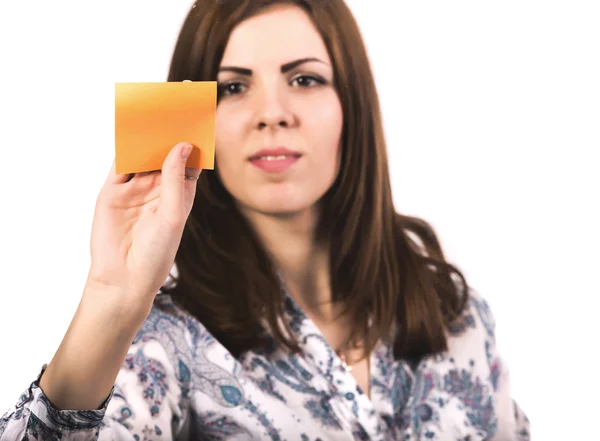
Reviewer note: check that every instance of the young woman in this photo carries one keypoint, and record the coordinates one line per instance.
(301, 305)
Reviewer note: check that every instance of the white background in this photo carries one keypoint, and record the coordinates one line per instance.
(492, 113)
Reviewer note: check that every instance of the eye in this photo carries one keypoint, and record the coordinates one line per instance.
(231, 88)
(307, 81)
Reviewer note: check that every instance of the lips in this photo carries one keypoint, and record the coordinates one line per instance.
(274, 154)
(276, 160)
(273, 158)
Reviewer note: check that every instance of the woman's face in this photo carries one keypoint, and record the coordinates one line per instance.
(279, 119)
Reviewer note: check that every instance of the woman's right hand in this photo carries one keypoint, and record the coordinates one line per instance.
(136, 231)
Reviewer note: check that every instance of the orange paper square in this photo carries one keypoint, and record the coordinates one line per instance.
(150, 118)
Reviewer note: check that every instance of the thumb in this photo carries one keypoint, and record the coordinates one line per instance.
(178, 184)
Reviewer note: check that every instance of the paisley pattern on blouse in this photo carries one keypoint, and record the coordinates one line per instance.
(179, 383)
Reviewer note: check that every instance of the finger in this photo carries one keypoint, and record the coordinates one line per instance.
(144, 181)
(192, 173)
(114, 178)
(174, 184)
(143, 177)
(146, 173)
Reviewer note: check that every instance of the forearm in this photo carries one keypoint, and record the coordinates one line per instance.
(85, 366)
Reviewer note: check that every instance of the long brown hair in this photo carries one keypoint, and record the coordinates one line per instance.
(384, 265)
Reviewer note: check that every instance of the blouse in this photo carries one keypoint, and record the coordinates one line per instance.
(179, 383)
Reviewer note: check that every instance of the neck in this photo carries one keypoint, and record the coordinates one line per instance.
(302, 262)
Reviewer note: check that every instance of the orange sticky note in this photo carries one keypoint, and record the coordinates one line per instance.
(150, 118)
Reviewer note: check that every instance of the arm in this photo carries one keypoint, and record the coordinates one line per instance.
(136, 231)
(513, 423)
(146, 399)
(85, 366)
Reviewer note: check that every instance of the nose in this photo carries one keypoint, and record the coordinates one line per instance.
(273, 110)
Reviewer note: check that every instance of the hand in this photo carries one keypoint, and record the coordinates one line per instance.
(137, 229)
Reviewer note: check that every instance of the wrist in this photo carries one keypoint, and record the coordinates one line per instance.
(115, 305)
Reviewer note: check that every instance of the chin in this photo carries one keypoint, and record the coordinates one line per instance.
(280, 200)
(278, 205)
(282, 209)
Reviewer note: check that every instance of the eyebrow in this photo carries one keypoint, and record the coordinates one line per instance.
(284, 68)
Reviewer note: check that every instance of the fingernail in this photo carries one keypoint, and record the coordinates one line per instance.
(185, 152)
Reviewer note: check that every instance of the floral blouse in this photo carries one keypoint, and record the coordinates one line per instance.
(179, 383)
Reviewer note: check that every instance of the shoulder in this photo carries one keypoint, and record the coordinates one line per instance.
(471, 337)
(174, 327)
(472, 345)
(171, 336)
(168, 321)
(477, 317)
(198, 361)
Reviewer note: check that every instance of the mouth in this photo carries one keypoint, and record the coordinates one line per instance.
(273, 158)
(276, 160)
(275, 154)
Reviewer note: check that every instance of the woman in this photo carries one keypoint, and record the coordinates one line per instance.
(302, 307)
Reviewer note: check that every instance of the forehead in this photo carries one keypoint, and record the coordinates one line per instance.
(277, 35)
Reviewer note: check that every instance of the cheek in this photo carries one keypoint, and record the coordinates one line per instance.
(228, 138)
(326, 125)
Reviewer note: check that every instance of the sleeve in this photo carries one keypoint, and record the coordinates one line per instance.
(147, 401)
(512, 422)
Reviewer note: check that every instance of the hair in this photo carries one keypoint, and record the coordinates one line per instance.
(381, 262)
